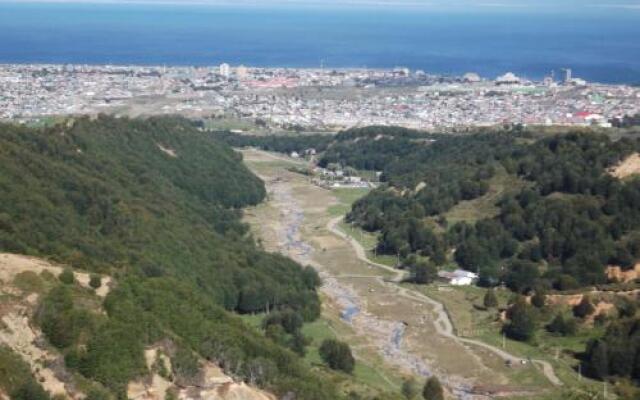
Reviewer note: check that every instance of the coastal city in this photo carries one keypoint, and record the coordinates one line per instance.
(311, 99)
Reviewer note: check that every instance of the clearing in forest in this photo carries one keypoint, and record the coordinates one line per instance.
(629, 166)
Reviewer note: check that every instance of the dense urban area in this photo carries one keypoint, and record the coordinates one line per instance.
(312, 99)
(317, 234)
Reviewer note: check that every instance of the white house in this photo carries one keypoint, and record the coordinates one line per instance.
(458, 277)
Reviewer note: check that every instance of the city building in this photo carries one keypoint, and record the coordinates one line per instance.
(224, 70)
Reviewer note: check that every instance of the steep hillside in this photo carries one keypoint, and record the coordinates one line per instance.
(154, 204)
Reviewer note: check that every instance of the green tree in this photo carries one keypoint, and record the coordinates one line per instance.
(598, 360)
(337, 355)
(31, 390)
(410, 388)
(97, 394)
(433, 389)
(424, 272)
(95, 281)
(562, 325)
(490, 299)
(539, 298)
(522, 321)
(584, 308)
(185, 365)
(67, 277)
(626, 307)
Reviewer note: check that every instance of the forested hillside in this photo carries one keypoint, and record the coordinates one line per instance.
(282, 144)
(568, 221)
(155, 204)
(563, 221)
(539, 213)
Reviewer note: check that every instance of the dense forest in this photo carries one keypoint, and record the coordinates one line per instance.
(569, 219)
(281, 144)
(155, 204)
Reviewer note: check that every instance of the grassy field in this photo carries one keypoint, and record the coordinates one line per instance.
(470, 319)
(345, 197)
(326, 327)
(369, 241)
(364, 373)
(485, 206)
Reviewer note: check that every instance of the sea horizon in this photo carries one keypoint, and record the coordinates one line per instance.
(598, 46)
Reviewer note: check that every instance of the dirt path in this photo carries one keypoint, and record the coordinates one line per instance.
(411, 333)
(443, 323)
(361, 253)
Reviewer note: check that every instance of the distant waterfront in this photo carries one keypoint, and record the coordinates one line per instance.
(599, 46)
(312, 99)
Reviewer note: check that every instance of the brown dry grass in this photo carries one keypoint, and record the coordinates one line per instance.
(629, 166)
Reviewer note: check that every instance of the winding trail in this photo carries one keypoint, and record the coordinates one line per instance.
(443, 323)
(391, 319)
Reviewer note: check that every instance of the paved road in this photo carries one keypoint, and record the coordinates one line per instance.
(443, 323)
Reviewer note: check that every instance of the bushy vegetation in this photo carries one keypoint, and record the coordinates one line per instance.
(572, 217)
(16, 379)
(433, 389)
(281, 143)
(566, 222)
(522, 322)
(372, 148)
(155, 203)
(617, 353)
(337, 355)
(490, 299)
(562, 325)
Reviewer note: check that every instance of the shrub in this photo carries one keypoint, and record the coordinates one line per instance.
(584, 308)
(539, 299)
(563, 325)
(522, 324)
(410, 389)
(97, 394)
(95, 281)
(337, 355)
(185, 365)
(424, 272)
(490, 299)
(67, 277)
(433, 389)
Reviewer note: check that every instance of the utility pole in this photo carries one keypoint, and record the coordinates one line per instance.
(504, 340)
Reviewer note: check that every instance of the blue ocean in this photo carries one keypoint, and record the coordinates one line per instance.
(598, 45)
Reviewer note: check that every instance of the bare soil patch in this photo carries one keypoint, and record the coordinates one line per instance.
(629, 166)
